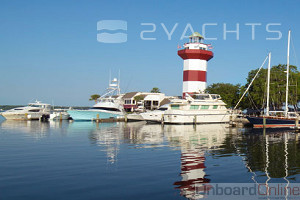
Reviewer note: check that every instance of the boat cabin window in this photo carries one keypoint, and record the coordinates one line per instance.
(215, 107)
(105, 108)
(204, 107)
(216, 96)
(175, 107)
(106, 100)
(18, 109)
(201, 97)
(194, 107)
(34, 110)
(36, 106)
(292, 115)
(163, 108)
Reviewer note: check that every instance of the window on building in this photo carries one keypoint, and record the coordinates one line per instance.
(194, 107)
(133, 101)
(175, 107)
(215, 107)
(155, 103)
(204, 107)
(127, 102)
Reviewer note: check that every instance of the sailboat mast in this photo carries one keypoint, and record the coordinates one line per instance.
(268, 86)
(287, 75)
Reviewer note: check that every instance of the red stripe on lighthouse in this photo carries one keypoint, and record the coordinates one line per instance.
(195, 54)
(193, 75)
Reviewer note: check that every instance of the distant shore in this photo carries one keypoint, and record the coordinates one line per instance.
(7, 107)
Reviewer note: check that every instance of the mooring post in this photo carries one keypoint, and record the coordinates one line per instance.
(297, 123)
(60, 117)
(162, 119)
(195, 119)
(230, 120)
(125, 118)
(97, 120)
(264, 122)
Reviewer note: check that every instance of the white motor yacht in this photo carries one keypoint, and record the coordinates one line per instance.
(108, 105)
(33, 111)
(199, 109)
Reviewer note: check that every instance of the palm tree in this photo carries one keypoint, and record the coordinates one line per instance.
(94, 97)
(139, 98)
(155, 90)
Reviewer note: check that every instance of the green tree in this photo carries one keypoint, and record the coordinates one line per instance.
(139, 98)
(94, 97)
(155, 90)
(257, 92)
(230, 93)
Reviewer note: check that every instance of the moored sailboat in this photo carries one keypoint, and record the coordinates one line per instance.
(271, 119)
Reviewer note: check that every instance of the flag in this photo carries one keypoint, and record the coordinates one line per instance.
(209, 45)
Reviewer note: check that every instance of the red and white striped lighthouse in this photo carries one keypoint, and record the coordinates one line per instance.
(195, 55)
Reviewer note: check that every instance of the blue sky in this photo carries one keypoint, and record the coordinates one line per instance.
(49, 49)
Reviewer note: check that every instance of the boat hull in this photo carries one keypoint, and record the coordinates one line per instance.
(257, 122)
(153, 116)
(134, 117)
(59, 116)
(22, 116)
(88, 115)
(196, 119)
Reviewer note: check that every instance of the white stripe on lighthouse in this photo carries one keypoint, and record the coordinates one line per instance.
(194, 64)
(193, 86)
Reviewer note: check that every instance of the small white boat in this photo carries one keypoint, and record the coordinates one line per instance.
(155, 116)
(59, 114)
(135, 117)
(33, 111)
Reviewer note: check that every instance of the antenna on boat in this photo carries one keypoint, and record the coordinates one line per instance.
(268, 85)
(109, 77)
(287, 75)
(119, 80)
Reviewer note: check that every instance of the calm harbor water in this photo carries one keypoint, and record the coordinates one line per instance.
(85, 160)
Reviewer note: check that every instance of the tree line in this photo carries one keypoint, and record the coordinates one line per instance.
(256, 96)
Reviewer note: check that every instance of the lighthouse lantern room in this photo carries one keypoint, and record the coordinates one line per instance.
(195, 55)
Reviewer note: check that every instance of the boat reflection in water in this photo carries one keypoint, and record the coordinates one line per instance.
(107, 135)
(34, 129)
(144, 135)
(270, 155)
(194, 142)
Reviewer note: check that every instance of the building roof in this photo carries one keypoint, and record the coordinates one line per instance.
(165, 101)
(152, 97)
(196, 34)
(129, 95)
